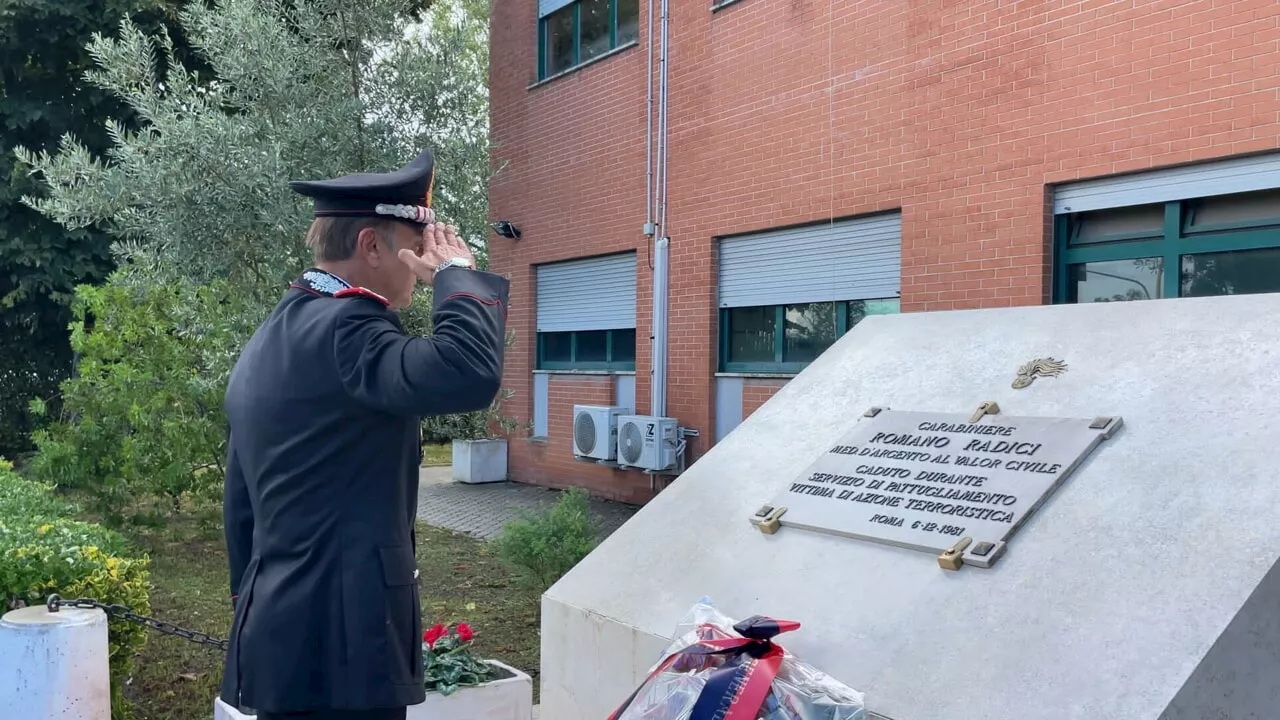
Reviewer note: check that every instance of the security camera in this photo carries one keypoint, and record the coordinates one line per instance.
(506, 229)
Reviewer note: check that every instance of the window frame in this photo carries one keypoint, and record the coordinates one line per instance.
(1178, 238)
(779, 366)
(609, 364)
(578, 62)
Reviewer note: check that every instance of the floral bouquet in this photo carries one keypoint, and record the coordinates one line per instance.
(447, 663)
(716, 668)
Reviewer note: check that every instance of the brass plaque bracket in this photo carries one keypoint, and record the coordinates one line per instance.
(953, 557)
(770, 520)
(987, 408)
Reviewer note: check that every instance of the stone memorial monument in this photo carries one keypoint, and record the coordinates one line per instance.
(1031, 513)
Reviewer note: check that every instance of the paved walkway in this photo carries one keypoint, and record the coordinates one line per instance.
(483, 510)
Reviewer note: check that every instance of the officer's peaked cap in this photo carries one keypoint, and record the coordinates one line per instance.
(403, 193)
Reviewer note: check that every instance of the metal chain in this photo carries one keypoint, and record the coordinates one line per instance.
(124, 613)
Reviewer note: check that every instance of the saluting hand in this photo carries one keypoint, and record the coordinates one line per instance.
(440, 244)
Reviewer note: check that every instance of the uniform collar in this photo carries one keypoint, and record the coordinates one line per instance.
(322, 282)
(325, 283)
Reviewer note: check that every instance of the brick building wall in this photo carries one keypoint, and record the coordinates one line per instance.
(958, 113)
(757, 392)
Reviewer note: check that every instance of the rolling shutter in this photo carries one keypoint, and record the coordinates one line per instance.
(1223, 177)
(546, 7)
(859, 259)
(593, 294)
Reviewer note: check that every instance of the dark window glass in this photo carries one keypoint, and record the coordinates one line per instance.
(628, 21)
(624, 346)
(1141, 221)
(809, 330)
(859, 309)
(559, 40)
(595, 24)
(1116, 280)
(1255, 208)
(751, 334)
(593, 346)
(1240, 272)
(557, 347)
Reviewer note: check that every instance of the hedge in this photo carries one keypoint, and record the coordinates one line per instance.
(43, 550)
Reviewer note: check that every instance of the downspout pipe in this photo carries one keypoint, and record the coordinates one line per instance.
(661, 245)
(648, 135)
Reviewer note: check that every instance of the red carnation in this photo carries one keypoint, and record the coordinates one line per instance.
(431, 636)
(464, 632)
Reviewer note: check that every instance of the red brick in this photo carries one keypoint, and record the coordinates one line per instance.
(958, 113)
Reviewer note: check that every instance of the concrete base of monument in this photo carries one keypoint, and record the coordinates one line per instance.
(509, 698)
(1143, 587)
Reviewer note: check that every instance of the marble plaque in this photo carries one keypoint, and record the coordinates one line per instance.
(924, 481)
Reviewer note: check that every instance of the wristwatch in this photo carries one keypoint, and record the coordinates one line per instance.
(454, 262)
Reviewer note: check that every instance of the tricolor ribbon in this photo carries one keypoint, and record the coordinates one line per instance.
(737, 689)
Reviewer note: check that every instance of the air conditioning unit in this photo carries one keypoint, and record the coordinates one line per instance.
(647, 442)
(595, 430)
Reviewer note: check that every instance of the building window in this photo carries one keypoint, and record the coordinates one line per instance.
(1221, 245)
(583, 30)
(586, 313)
(786, 338)
(587, 350)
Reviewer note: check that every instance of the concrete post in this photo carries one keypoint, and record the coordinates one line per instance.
(53, 666)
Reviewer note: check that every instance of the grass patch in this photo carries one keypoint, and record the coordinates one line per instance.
(175, 679)
(463, 580)
(434, 454)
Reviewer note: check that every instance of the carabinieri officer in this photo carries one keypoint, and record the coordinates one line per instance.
(324, 406)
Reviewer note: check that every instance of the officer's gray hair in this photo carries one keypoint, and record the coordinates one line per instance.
(333, 239)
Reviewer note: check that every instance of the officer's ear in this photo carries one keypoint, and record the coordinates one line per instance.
(370, 247)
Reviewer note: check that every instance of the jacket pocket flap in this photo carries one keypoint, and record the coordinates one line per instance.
(399, 567)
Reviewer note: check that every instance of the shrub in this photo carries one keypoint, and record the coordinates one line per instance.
(43, 551)
(485, 424)
(544, 546)
(143, 419)
(489, 423)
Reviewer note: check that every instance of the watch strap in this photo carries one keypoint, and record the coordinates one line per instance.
(454, 262)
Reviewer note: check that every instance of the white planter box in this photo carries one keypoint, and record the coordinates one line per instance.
(223, 711)
(479, 461)
(507, 699)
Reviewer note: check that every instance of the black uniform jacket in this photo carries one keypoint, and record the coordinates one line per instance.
(322, 485)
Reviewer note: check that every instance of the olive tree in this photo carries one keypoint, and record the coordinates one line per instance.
(196, 196)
